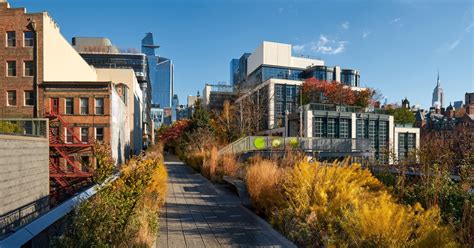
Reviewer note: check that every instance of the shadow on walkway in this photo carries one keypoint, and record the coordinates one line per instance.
(197, 214)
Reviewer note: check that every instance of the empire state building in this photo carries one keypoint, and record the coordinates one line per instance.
(438, 96)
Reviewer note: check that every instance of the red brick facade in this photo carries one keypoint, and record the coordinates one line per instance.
(16, 20)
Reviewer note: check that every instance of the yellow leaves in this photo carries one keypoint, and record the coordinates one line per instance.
(340, 204)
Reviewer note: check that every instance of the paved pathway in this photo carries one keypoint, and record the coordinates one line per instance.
(199, 214)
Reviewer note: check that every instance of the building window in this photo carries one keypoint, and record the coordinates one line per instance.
(279, 92)
(28, 68)
(372, 133)
(99, 133)
(11, 68)
(69, 137)
(28, 38)
(402, 151)
(332, 130)
(84, 134)
(11, 39)
(29, 99)
(99, 106)
(361, 129)
(85, 163)
(344, 128)
(318, 127)
(279, 108)
(383, 137)
(84, 106)
(69, 110)
(11, 98)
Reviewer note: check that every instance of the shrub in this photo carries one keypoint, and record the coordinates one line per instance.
(230, 166)
(125, 212)
(209, 166)
(345, 205)
(263, 180)
(105, 162)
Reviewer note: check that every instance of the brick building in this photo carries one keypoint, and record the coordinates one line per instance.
(42, 75)
(32, 50)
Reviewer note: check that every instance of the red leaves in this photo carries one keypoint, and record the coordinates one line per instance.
(334, 93)
(175, 131)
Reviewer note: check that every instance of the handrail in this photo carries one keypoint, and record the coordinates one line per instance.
(28, 232)
(271, 143)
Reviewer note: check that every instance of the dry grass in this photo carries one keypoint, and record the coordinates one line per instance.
(263, 180)
(230, 166)
(209, 166)
(343, 204)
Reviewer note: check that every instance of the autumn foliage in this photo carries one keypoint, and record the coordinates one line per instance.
(317, 91)
(340, 205)
(175, 131)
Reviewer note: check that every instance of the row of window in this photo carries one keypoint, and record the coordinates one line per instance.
(84, 106)
(406, 144)
(28, 68)
(331, 128)
(84, 134)
(13, 101)
(28, 39)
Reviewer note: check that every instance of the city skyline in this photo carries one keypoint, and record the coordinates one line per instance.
(387, 43)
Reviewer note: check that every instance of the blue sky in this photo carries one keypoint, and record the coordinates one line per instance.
(397, 46)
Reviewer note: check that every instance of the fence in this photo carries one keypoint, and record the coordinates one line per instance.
(266, 143)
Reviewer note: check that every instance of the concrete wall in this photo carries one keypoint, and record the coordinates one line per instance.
(24, 171)
(398, 130)
(119, 131)
(134, 102)
(277, 54)
(61, 61)
(299, 62)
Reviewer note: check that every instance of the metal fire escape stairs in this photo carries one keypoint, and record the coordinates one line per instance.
(59, 148)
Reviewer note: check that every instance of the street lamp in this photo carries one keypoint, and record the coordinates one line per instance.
(287, 129)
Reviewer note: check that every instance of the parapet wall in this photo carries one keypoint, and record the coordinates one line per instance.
(24, 178)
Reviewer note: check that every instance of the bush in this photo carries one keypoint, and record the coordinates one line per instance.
(230, 166)
(209, 166)
(125, 212)
(339, 204)
(263, 179)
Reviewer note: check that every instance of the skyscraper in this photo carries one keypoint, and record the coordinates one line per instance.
(161, 73)
(438, 95)
(164, 89)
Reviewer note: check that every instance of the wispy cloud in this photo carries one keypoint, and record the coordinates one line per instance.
(454, 44)
(365, 34)
(323, 45)
(467, 30)
(395, 20)
(345, 25)
(299, 48)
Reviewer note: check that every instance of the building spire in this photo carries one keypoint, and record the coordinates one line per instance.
(438, 83)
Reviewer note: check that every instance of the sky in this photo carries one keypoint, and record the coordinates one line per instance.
(398, 46)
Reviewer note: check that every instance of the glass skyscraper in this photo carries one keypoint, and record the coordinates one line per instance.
(161, 73)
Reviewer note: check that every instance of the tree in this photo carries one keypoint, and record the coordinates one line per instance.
(402, 116)
(318, 91)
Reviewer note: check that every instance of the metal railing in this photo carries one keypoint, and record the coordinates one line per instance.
(267, 143)
(343, 108)
(35, 127)
(21, 216)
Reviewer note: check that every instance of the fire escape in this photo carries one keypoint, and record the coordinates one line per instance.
(68, 176)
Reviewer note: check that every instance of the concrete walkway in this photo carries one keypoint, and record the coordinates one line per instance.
(200, 214)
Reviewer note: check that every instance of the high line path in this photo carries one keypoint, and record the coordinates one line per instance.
(198, 213)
